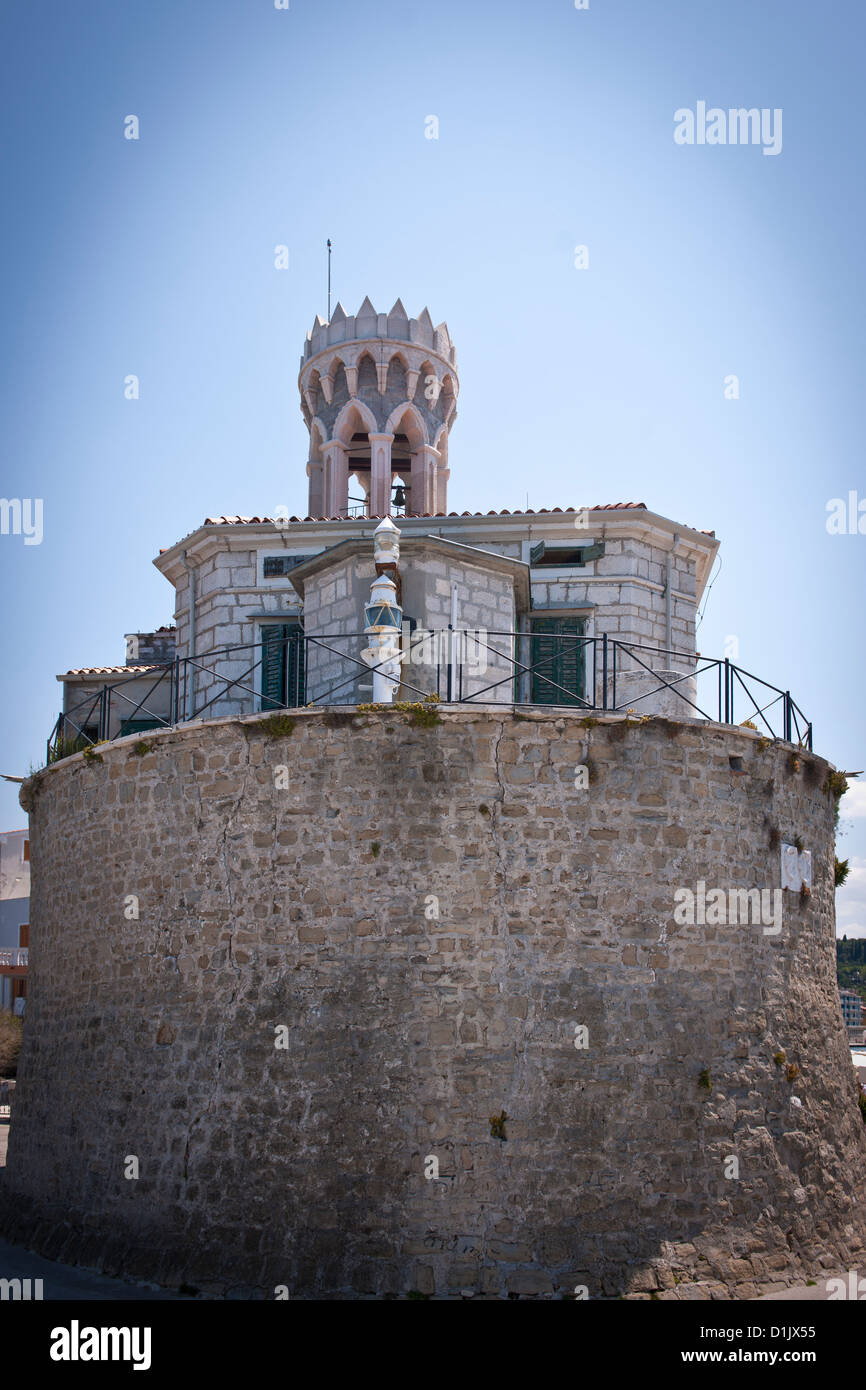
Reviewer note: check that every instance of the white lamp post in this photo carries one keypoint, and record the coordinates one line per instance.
(384, 617)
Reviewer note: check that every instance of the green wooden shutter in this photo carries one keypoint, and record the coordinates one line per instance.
(558, 679)
(295, 671)
(282, 665)
(139, 726)
(592, 552)
(273, 665)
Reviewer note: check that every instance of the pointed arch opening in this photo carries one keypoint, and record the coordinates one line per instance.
(359, 494)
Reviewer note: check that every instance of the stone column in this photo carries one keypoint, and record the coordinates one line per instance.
(335, 481)
(315, 502)
(422, 493)
(440, 489)
(380, 474)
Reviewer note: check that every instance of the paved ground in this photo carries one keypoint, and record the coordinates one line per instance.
(805, 1292)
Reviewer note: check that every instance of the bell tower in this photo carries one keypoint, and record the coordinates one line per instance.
(379, 397)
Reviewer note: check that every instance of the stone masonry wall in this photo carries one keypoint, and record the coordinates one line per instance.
(425, 915)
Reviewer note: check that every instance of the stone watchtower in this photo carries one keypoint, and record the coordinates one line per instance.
(415, 997)
(379, 396)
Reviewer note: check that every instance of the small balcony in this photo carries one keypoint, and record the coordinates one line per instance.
(13, 961)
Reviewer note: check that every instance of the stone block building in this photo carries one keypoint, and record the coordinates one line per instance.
(379, 396)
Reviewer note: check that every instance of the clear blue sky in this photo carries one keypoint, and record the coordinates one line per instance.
(260, 127)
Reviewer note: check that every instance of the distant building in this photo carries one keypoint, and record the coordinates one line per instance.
(14, 917)
(852, 1008)
(101, 702)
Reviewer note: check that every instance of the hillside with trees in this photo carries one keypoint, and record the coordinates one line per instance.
(851, 965)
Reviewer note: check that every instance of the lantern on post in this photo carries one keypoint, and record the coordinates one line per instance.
(384, 616)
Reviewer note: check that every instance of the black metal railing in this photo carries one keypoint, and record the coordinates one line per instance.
(462, 666)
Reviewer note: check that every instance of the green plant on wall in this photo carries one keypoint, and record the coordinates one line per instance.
(497, 1126)
(278, 726)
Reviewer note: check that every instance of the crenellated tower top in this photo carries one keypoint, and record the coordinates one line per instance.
(379, 397)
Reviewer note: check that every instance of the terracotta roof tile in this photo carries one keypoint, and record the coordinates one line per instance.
(530, 511)
(425, 516)
(108, 670)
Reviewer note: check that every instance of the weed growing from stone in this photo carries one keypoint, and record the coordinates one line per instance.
(423, 712)
(278, 726)
(497, 1126)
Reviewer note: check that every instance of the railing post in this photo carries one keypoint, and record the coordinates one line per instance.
(450, 665)
(614, 645)
(727, 691)
(604, 670)
(786, 733)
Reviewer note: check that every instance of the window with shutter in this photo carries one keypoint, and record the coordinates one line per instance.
(283, 676)
(274, 566)
(564, 556)
(139, 726)
(558, 661)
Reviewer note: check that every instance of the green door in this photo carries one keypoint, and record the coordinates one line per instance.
(282, 665)
(557, 659)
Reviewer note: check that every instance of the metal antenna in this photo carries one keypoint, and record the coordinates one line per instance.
(329, 279)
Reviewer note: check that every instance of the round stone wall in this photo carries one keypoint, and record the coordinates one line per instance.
(354, 1004)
